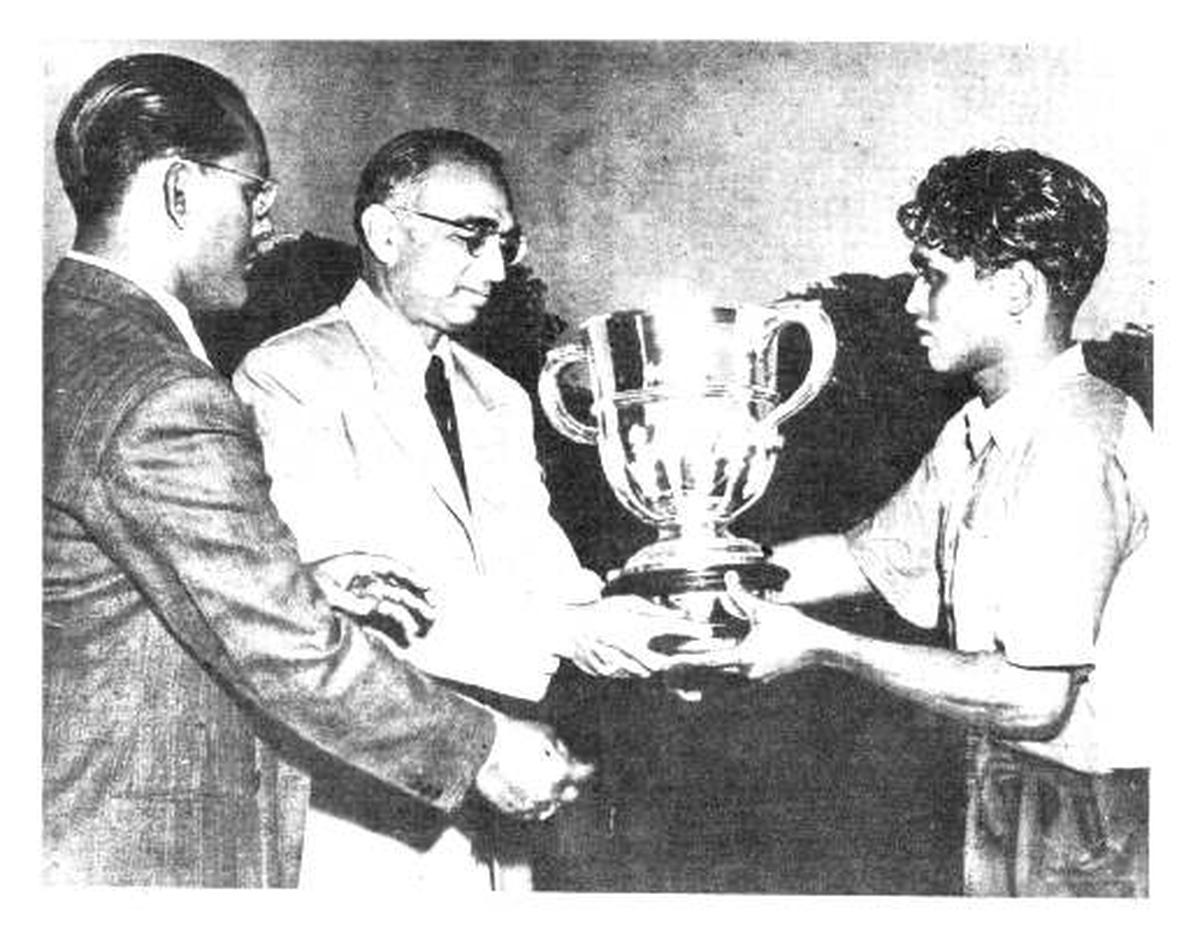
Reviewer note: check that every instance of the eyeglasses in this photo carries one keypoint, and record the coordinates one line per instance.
(512, 243)
(263, 196)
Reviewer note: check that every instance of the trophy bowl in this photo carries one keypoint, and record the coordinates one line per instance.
(686, 410)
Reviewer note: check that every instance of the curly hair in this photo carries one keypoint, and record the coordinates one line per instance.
(1001, 206)
(137, 108)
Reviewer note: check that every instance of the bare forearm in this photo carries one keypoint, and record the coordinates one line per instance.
(821, 567)
(980, 689)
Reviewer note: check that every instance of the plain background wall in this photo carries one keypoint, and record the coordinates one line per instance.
(740, 169)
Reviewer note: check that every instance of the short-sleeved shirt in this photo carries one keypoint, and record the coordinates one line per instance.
(1013, 528)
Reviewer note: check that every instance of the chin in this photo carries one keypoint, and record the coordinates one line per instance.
(232, 298)
(939, 361)
(213, 290)
(463, 318)
(236, 298)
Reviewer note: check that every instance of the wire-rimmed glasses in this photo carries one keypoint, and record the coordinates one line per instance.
(266, 189)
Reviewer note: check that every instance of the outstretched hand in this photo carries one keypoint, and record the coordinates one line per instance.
(781, 639)
(377, 589)
(613, 637)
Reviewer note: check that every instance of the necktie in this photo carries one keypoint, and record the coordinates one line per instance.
(441, 404)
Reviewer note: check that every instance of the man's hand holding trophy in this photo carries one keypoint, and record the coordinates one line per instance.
(686, 410)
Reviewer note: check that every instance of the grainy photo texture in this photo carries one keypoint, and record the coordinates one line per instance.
(624, 467)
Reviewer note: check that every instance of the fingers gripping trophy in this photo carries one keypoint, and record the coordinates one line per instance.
(686, 410)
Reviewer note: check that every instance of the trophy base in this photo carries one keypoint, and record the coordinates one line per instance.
(699, 594)
(759, 576)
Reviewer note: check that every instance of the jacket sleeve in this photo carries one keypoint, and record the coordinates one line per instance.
(180, 498)
(325, 482)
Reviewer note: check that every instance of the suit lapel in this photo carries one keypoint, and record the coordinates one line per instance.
(397, 399)
(482, 435)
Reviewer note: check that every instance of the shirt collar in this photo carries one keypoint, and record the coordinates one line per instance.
(1005, 420)
(173, 307)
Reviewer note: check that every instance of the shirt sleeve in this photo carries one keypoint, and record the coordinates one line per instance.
(896, 547)
(1127, 705)
(493, 637)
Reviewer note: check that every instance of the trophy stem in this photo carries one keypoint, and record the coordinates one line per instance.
(695, 544)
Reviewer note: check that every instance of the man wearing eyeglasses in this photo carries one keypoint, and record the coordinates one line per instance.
(384, 435)
(187, 651)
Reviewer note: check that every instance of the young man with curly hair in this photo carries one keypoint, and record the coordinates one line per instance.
(1021, 539)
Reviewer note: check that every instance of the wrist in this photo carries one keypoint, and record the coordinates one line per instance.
(493, 738)
(840, 649)
(831, 646)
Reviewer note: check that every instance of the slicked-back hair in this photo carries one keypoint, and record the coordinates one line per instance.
(408, 156)
(138, 108)
(997, 207)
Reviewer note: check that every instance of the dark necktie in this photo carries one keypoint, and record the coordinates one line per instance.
(441, 404)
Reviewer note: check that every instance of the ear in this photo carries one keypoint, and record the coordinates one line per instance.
(175, 187)
(382, 233)
(1022, 285)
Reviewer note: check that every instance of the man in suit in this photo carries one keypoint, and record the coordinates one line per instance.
(1023, 537)
(350, 409)
(187, 652)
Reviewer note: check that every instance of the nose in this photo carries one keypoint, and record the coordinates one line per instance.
(262, 227)
(490, 262)
(917, 302)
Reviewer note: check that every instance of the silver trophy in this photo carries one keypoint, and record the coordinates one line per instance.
(686, 410)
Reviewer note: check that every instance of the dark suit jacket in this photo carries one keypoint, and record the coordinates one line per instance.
(184, 648)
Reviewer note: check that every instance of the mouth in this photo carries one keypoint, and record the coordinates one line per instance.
(927, 340)
(473, 295)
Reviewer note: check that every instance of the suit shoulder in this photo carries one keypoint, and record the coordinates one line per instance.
(98, 364)
(114, 401)
(325, 341)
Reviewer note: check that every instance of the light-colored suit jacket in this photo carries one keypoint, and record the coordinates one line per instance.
(357, 464)
(185, 648)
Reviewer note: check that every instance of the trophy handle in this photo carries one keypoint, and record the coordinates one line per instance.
(823, 340)
(550, 394)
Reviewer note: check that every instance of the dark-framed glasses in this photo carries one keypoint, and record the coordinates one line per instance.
(265, 190)
(474, 233)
